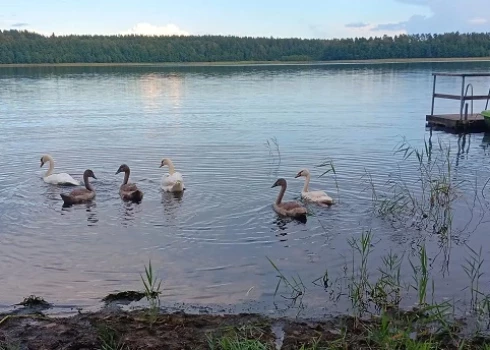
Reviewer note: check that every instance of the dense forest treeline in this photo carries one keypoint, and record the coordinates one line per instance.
(27, 47)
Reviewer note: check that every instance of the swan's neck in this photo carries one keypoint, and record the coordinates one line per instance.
(126, 177)
(51, 167)
(171, 168)
(88, 185)
(281, 194)
(307, 182)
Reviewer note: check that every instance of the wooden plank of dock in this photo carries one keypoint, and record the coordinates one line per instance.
(475, 122)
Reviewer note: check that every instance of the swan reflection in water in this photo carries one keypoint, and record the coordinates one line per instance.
(282, 225)
(91, 214)
(90, 210)
(171, 201)
(127, 213)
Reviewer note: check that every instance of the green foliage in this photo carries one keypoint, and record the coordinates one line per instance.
(109, 339)
(245, 337)
(152, 293)
(239, 344)
(8, 345)
(26, 47)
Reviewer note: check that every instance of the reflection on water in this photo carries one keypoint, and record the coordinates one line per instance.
(485, 142)
(157, 90)
(231, 132)
(127, 213)
(90, 209)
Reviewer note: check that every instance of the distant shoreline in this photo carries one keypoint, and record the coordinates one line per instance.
(252, 63)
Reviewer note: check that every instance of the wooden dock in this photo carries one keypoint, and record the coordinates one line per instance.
(474, 122)
(466, 119)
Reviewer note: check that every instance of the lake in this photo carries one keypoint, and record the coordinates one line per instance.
(231, 131)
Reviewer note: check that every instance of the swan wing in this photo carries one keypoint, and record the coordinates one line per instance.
(317, 196)
(291, 206)
(61, 179)
(174, 182)
(82, 192)
(293, 209)
(129, 188)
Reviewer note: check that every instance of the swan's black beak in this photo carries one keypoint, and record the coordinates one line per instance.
(117, 172)
(94, 177)
(160, 165)
(41, 164)
(297, 175)
(273, 185)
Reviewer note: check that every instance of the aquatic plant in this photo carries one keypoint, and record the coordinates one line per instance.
(152, 292)
(386, 292)
(420, 276)
(359, 288)
(295, 285)
(274, 153)
(472, 268)
(425, 201)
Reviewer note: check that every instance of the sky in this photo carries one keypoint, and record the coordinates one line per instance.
(277, 18)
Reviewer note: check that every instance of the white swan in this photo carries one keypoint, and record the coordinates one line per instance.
(319, 197)
(173, 181)
(56, 179)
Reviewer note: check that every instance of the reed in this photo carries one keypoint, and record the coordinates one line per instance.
(425, 201)
(420, 275)
(152, 293)
(360, 286)
(294, 285)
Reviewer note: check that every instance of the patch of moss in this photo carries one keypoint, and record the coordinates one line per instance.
(129, 295)
(34, 301)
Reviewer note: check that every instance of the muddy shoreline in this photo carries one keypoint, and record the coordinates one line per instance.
(113, 328)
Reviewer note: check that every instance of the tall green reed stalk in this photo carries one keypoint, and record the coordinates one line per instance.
(152, 293)
(295, 285)
(472, 268)
(423, 199)
(360, 286)
(421, 275)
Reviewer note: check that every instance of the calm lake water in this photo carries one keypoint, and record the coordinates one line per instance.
(210, 247)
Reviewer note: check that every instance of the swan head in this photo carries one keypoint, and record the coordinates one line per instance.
(44, 159)
(165, 161)
(122, 169)
(279, 182)
(89, 173)
(304, 172)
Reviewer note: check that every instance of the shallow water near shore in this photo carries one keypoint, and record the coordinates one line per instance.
(231, 132)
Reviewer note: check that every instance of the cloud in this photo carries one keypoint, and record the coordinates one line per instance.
(415, 2)
(372, 30)
(150, 29)
(19, 25)
(446, 16)
(478, 20)
(390, 26)
(356, 25)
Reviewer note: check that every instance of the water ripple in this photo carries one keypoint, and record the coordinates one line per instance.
(211, 242)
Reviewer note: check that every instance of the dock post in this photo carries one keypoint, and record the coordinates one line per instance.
(461, 99)
(433, 95)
